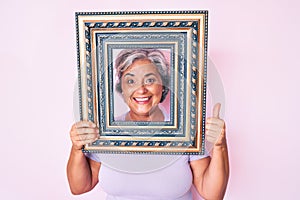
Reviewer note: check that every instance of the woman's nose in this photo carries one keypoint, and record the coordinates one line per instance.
(142, 89)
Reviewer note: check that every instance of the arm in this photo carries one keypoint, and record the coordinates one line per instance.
(82, 172)
(210, 176)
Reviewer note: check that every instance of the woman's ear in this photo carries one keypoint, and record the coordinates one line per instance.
(119, 88)
(165, 91)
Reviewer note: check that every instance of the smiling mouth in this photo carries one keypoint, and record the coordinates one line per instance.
(142, 100)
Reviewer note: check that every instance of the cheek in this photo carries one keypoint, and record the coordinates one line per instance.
(156, 90)
(127, 91)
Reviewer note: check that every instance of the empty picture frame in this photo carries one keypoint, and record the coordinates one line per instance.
(107, 40)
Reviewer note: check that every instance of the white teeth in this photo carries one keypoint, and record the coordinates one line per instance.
(142, 98)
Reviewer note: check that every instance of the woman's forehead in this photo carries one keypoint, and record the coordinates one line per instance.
(140, 67)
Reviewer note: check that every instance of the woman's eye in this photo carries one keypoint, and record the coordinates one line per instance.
(149, 81)
(130, 81)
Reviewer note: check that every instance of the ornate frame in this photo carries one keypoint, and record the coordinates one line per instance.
(184, 34)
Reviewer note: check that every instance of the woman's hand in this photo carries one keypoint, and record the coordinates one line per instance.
(211, 183)
(83, 132)
(82, 172)
(215, 128)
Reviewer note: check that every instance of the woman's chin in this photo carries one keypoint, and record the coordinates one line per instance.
(145, 115)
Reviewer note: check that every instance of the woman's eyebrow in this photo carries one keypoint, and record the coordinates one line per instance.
(129, 74)
(149, 74)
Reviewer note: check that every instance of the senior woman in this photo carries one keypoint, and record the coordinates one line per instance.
(206, 174)
(143, 81)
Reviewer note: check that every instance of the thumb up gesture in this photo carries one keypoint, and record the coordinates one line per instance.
(215, 128)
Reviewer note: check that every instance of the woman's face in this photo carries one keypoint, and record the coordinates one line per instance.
(142, 87)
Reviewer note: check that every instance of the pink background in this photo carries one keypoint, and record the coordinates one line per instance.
(253, 44)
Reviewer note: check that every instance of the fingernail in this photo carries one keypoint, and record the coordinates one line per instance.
(93, 125)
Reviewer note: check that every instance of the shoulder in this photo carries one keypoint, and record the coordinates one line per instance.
(199, 157)
(165, 113)
(121, 117)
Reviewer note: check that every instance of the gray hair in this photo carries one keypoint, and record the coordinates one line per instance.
(127, 56)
